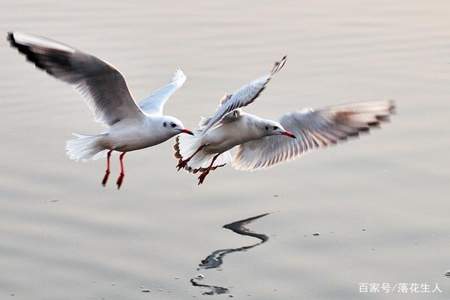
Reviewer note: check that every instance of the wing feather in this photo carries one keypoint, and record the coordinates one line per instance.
(103, 87)
(154, 104)
(314, 129)
(243, 96)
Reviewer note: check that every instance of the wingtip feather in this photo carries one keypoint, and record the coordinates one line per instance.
(179, 76)
(279, 65)
(10, 38)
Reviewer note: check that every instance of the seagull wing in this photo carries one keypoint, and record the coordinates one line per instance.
(313, 129)
(154, 104)
(103, 87)
(243, 96)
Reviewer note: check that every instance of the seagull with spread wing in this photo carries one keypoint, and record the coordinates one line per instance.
(131, 126)
(262, 143)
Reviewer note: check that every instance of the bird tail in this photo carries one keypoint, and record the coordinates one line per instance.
(85, 147)
(186, 145)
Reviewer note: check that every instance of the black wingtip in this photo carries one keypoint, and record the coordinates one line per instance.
(282, 62)
(26, 50)
(11, 40)
(279, 65)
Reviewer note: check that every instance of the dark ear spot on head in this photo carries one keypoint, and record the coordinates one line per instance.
(267, 127)
(164, 124)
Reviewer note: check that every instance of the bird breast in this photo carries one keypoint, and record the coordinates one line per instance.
(129, 137)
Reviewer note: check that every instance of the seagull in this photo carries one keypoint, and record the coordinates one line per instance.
(130, 126)
(262, 143)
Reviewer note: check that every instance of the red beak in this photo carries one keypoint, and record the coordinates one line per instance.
(289, 134)
(187, 131)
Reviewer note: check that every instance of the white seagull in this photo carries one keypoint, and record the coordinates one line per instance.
(262, 143)
(131, 126)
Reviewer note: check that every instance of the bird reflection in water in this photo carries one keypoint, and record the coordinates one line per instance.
(215, 259)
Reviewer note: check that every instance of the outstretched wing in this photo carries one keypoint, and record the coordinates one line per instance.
(154, 104)
(243, 96)
(103, 87)
(313, 129)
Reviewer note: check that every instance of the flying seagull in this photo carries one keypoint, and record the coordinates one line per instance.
(262, 143)
(130, 126)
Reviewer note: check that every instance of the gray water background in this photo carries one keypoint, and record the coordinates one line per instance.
(63, 236)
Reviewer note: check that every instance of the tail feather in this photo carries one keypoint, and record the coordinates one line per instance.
(186, 145)
(85, 147)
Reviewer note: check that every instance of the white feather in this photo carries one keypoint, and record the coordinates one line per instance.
(154, 104)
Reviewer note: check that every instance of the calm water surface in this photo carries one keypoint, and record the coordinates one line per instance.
(380, 204)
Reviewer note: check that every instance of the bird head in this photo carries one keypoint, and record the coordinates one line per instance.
(275, 128)
(174, 126)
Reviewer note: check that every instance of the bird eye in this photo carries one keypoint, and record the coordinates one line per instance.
(164, 124)
(267, 127)
(173, 125)
(275, 127)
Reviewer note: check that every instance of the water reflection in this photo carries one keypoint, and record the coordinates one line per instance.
(212, 289)
(215, 259)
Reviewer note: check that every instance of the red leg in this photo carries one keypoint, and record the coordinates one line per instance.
(182, 163)
(122, 171)
(202, 176)
(108, 160)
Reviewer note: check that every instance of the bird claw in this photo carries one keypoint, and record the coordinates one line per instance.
(120, 180)
(202, 177)
(105, 178)
(182, 164)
